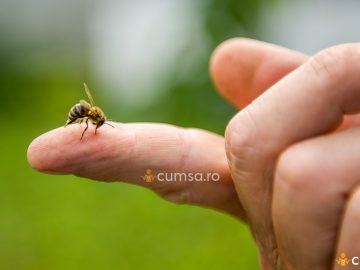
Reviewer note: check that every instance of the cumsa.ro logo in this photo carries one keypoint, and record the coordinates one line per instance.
(148, 177)
(180, 176)
(343, 260)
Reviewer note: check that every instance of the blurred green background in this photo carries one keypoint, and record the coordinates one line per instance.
(47, 49)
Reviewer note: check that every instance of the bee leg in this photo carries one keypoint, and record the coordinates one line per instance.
(87, 126)
(109, 125)
(97, 126)
(68, 122)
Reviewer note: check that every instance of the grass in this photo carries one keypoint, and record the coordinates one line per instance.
(63, 222)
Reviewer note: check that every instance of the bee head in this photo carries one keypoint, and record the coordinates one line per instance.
(101, 122)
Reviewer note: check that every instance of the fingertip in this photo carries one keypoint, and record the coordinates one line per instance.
(232, 67)
(44, 158)
(60, 151)
(242, 69)
(221, 50)
(32, 154)
(228, 46)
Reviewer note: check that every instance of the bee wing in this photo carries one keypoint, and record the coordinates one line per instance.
(88, 93)
(85, 103)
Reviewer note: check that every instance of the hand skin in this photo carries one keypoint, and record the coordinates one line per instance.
(288, 162)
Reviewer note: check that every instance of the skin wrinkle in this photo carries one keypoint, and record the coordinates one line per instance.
(245, 143)
(104, 153)
(138, 150)
(185, 195)
(350, 215)
(331, 65)
(116, 154)
(121, 157)
(238, 165)
(185, 149)
(132, 141)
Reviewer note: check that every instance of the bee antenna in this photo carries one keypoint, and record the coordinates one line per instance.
(109, 125)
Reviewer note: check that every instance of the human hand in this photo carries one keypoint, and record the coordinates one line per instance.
(242, 70)
(124, 153)
(294, 156)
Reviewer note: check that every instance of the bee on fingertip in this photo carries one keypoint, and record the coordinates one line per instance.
(85, 111)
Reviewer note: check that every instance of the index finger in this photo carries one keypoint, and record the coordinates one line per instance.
(125, 152)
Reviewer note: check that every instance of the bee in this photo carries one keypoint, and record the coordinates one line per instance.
(85, 111)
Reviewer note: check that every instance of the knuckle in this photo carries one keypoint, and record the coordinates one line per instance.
(333, 63)
(242, 136)
(297, 170)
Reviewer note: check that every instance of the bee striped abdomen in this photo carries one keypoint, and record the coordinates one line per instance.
(79, 110)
